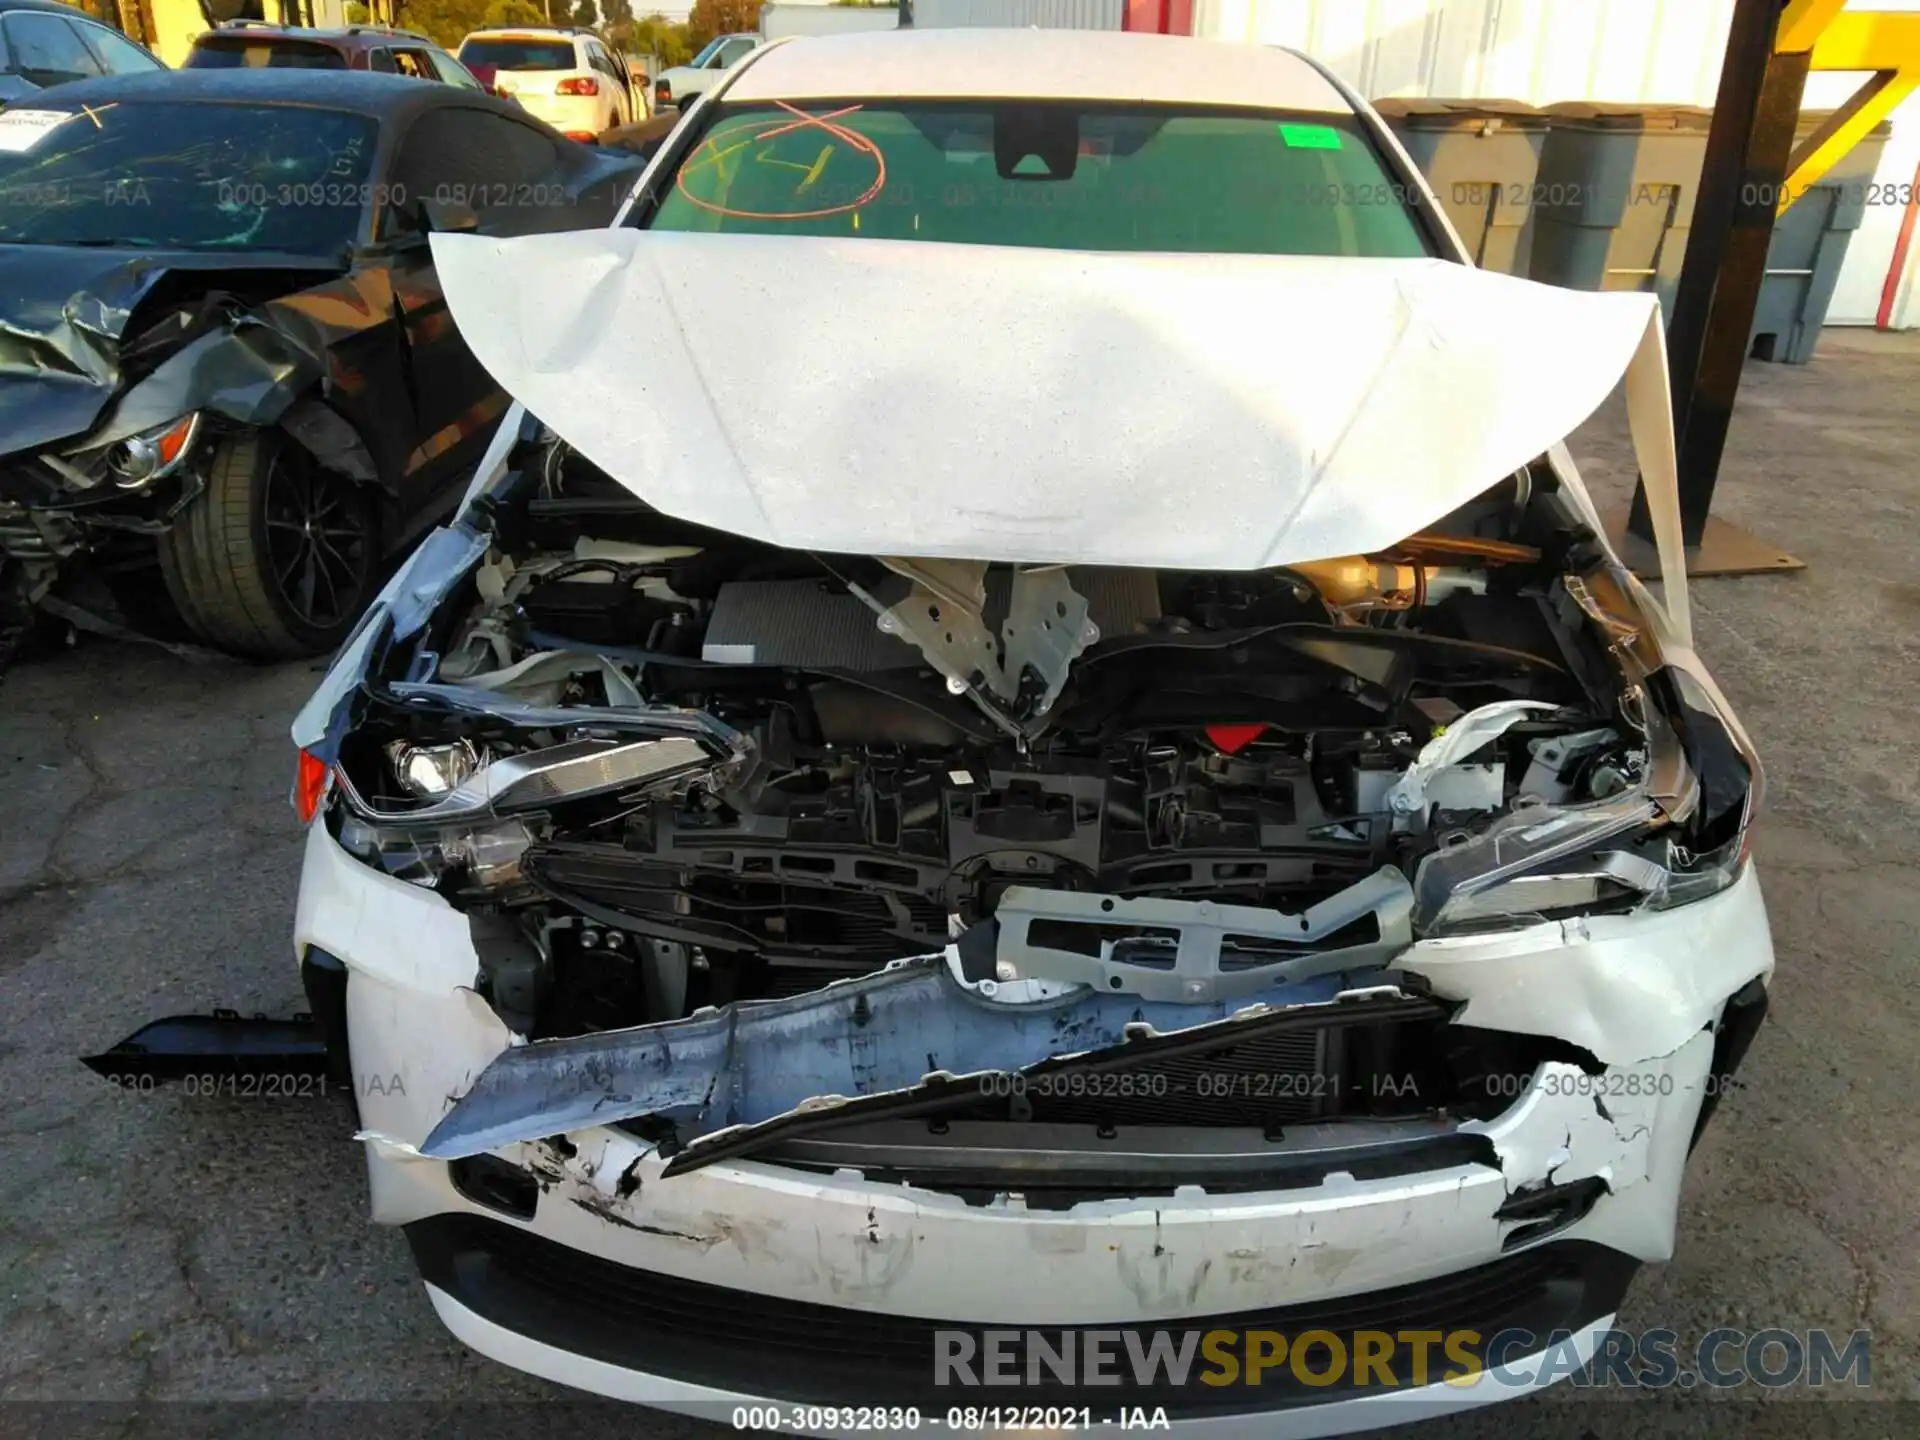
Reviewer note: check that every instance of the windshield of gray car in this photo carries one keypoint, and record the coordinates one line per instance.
(183, 175)
(1059, 174)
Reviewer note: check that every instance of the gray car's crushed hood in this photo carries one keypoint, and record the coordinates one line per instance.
(64, 318)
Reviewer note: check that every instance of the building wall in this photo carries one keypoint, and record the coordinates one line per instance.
(820, 18)
(1024, 14)
(1540, 51)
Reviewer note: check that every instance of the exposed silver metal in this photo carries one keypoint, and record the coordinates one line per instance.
(1408, 796)
(1194, 951)
(946, 626)
(1046, 629)
(1551, 758)
(943, 616)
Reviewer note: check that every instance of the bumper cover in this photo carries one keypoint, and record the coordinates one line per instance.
(1645, 994)
(690, 1334)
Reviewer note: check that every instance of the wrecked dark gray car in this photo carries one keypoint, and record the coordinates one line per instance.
(224, 351)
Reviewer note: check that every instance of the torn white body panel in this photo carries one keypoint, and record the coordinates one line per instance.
(1335, 405)
(1641, 997)
(840, 1240)
(1599, 991)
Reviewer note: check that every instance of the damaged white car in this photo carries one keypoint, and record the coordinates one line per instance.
(1028, 727)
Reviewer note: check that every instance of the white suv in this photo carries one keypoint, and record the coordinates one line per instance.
(565, 77)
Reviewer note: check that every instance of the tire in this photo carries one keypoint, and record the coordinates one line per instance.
(278, 558)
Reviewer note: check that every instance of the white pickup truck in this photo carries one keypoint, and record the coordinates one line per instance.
(683, 84)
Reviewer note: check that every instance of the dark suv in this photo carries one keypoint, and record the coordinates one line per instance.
(44, 44)
(251, 44)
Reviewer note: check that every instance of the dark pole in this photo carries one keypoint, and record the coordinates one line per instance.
(1749, 145)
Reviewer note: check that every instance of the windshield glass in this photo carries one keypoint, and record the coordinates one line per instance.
(1063, 175)
(508, 54)
(222, 53)
(706, 52)
(177, 175)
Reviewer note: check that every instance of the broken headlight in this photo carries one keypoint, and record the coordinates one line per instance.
(485, 858)
(1514, 866)
(457, 820)
(1680, 833)
(429, 771)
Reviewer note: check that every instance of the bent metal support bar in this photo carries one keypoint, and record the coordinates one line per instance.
(1748, 150)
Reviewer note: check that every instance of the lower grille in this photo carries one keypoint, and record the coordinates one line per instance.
(770, 917)
(794, 1351)
(1278, 1080)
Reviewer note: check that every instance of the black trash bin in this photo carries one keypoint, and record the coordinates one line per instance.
(1481, 157)
(1809, 241)
(1615, 193)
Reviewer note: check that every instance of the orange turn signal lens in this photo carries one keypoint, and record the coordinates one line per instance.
(175, 440)
(309, 784)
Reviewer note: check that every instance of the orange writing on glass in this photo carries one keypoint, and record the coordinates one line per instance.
(724, 160)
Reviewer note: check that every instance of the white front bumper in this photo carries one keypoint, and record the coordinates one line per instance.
(1640, 992)
(1338, 1417)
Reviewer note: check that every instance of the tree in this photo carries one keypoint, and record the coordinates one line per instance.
(657, 35)
(448, 22)
(358, 14)
(709, 18)
(503, 13)
(616, 21)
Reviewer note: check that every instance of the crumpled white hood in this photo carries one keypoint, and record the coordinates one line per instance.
(987, 403)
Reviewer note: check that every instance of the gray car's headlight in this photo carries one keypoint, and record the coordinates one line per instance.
(139, 460)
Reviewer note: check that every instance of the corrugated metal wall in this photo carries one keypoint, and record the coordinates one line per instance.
(1533, 50)
(1540, 51)
(1024, 14)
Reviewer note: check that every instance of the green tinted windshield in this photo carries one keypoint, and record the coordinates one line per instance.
(1062, 175)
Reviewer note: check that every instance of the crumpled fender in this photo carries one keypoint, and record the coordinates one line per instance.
(250, 373)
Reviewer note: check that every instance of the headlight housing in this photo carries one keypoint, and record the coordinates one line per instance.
(474, 813)
(1681, 832)
(139, 460)
(430, 771)
(486, 858)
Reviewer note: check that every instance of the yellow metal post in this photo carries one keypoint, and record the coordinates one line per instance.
(1885, 43)
(1801, 23)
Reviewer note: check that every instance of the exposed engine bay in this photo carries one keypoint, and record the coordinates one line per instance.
(1184, 787)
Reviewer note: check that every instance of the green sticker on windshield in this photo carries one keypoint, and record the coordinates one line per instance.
(1310, 137)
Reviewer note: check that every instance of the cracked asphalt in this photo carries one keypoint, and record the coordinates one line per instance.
(163, 1248)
